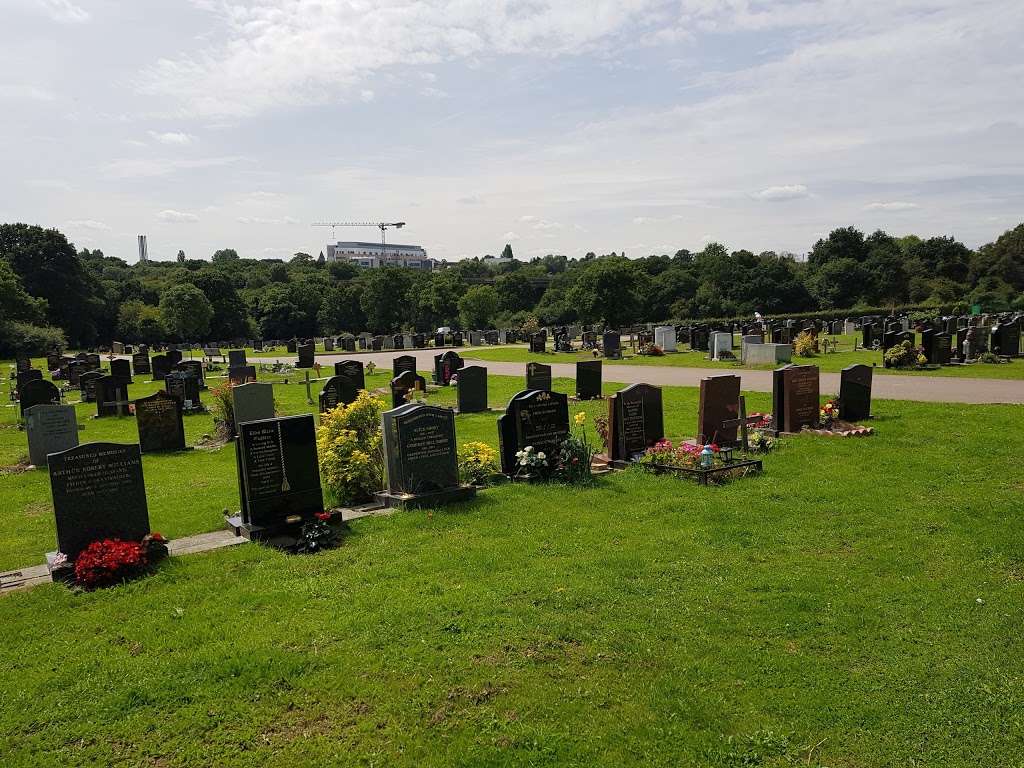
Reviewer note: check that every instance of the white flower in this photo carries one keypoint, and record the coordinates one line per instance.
(541, 456)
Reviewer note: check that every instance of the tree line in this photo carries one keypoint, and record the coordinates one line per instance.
(53, 295)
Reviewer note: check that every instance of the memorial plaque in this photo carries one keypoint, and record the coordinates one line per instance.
(795, 397)
(307, 354)
(243, 374)
(353, 371)
(403, 363)
(588, 379)
(50, 429)
(855, 392)
(252, 402)
(278, 470)
(98, 493)
(419, 444)
(111, 397)
(635, 421)
(719, 401)
(121, 369)
(160, 424)
(140, 363)
(538, 376)
(38, 392)
(338, 390)
(535, 418)
(403, 384)
(446, 364)
(161, 366)
(472, 394)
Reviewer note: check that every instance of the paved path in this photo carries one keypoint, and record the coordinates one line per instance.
(941, 389)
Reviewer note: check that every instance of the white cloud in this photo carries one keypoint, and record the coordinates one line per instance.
(788, 192)
(263, 220)
(23, 92)
(367, 95)
(64, 186)
(175, 138)
(894, 206)
(97, 226)
(64, 11)
(510, 236)
(146, 168)
(177, 217)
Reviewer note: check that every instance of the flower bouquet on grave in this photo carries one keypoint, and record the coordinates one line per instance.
(113, 561)
(575, 454)
(317, 535)
(531, 463)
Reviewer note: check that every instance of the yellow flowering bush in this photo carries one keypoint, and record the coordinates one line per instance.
(478, 462)
(351, 449)
(803, 345)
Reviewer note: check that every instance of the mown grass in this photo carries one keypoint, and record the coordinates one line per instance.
(860, 604)
(831, 362)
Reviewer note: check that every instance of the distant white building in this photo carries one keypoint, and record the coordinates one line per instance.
(376, 255)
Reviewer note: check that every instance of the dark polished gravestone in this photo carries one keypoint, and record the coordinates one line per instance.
(242, 374)
(174, 356)
(50, 429)
(38, 392)
(445, 366)
(353, 371)
(402, 363)
(194, 368)
(111, 397)
(472, 394)
(611, 343)
(87, 385)
(719, 401)
(588, 380)
(338, 390)
(635, 421)
(184, 388)
(160, 424)
(252, 402)
(236, 358)
(1006, 339)
(422, 459)
(22, 378)
(328, 344)
(795, 397)
(140, 364)
(291, 345)
(403, 384)
(307, 354)
(160, 365)
(855, 393)
(278, 476)
(121, 369)
(537, 418)
(98, 493)
(538, 343)
(538, 376)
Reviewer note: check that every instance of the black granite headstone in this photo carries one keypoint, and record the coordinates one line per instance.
(403, 384)
(419, 444)
(98, 493)
(533, 418)
(855, 392)
(243, 374)
(538, 376)
(121, 369)
(307, 354)
(338, 390)
(161, 366)
(446, 364)
(111, 397)
(472, 395)
(353, 371)
(236, 358)
(160, 424)
(635, 421)
(403, 363)
(140, 363)
(184, 388)
(588, 379)
(38, 392)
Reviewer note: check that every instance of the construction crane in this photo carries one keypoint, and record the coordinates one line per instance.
(383, 226)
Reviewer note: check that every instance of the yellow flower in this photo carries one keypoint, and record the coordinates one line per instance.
(580, 419)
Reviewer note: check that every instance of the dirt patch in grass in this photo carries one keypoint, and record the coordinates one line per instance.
(37, 509)
(16, 469)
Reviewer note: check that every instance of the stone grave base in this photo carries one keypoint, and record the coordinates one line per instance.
(574, 399)
(284, 536)
(432, 499)
(842, 429)
(470, 413)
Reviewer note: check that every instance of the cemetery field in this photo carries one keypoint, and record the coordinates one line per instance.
(860, 604)
(832, 362)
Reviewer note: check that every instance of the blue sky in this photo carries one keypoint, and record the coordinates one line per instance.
(561, 127)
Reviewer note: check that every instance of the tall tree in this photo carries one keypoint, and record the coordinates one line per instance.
(186, 312)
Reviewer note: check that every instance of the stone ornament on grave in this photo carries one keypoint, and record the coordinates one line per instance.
(98, 493)
(472, 389)
(160, 424)
(719, 402)
(403, 385)
(533, 418)
(855, 393)
(538, 376)
(588, 379)
(422, 458)
(37, 392)
(635, 421)
(278, 475)
(50, 429)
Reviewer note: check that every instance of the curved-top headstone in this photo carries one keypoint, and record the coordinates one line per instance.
(38, 392)
(537, 418)
(635, 421)
(160, 423)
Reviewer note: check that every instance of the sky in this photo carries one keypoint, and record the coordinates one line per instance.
(642, 126)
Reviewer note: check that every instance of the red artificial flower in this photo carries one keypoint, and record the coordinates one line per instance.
(715, 448)
(323, 517)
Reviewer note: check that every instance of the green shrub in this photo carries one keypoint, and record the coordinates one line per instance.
(803, 345)
(904, 355)
(478, 463)
(351, 449)
(33, 340)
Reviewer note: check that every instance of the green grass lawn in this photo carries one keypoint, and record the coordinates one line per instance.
(860, 604)
(831, 362)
